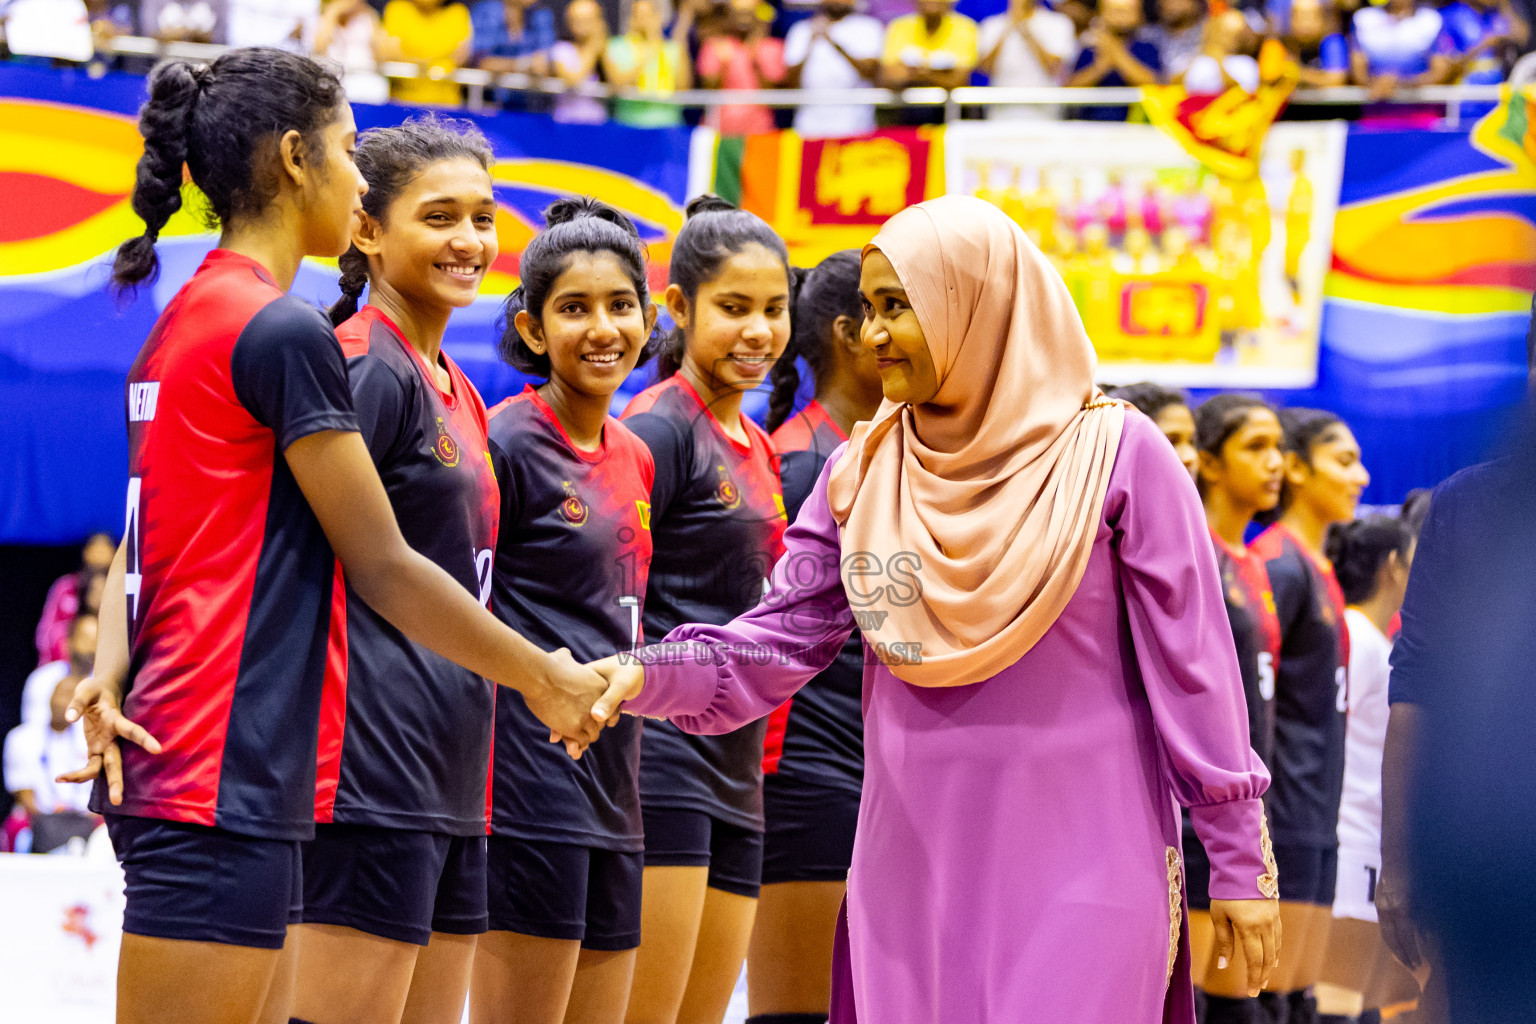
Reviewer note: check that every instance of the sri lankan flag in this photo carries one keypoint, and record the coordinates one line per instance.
(1226, 131)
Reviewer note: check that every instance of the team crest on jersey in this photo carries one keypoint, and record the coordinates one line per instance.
(727, 492)
(445, 448)
(573, 510)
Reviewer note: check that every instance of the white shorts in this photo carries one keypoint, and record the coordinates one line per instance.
(1355, 894)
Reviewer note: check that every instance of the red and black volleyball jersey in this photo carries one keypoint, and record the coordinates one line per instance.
(229, 574)
(717, 524)
(1311, 692)
(1256, 633)
(812, 429)
(817, 736)
(571, 568)
(405, 734)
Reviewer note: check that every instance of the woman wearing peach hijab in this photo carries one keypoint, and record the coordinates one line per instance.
(1050, 666)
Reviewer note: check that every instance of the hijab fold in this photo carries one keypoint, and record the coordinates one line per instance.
(996, 486)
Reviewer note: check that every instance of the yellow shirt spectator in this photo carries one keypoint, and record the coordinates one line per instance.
(948, 50)
(433, 33)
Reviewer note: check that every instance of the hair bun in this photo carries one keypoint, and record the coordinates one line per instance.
(574, 208)
(707, 203)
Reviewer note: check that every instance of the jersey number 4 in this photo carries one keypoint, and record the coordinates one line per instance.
(133, 578)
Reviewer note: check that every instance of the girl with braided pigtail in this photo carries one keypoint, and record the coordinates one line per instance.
(248, 481)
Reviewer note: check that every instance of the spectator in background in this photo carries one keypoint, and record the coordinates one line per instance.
(80, 653)
(743, 56)
(286, 24)
(184, 21)
(834, 49)
(435, 36)
(1027, 45)
(1115, 56)
(934, 47)
(513, 36)
(1080, 12)
(350, 34)
(1394, 45)
(63, 601)
(1479, 39)
(1312, 38)
(109, 19)
(46, 745)
(1179, 34)
(646, 59)
(1220, 65)
(578, 62)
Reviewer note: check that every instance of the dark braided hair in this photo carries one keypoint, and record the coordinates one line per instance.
(1359, 549)
(1150, 398)
(713, 232)
(817, 298)
(579, 224)
(390, 159)
(215, 120)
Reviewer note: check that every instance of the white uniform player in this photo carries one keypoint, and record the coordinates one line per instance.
(1360, 809)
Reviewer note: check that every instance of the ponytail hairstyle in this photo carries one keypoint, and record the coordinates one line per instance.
(818, 298)
(1303, 430)
(579, 224)
(1150, 398)
(390, 159)
(217, 120)
(713, 232)
(1217, 419)
(1359, 549)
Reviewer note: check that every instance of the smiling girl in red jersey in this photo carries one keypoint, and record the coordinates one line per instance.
(1238, 439)
(567, 846)
(394, 880)
(813, 761)
(1324, 476)
(717, 522)
(248, 480)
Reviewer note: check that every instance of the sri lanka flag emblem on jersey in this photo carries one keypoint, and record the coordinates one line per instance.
(446, 448)
(728, 493)
(573, 510)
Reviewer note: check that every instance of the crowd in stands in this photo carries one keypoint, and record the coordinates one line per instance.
(658, 47)
(47, 815)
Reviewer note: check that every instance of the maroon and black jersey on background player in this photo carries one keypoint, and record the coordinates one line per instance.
(405, 734)
(817, 736)
(571, 567)
(229, 575)
(1311, 692)
(717, 524)
(1256, 633)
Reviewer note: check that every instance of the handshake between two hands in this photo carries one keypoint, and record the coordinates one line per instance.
(576, 701)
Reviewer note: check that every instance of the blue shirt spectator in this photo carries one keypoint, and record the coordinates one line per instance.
(1114, 55)
(510, 33)
(1472, 37)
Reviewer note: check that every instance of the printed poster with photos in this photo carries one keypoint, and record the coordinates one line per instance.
(1182, 277)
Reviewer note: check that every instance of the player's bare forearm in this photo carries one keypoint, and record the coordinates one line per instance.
(415, 595)
(112, 624)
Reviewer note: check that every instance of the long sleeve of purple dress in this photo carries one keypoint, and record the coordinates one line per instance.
(712, 679)
(1017, 856)
(1170, 579)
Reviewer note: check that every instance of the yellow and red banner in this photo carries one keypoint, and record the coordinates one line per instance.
(824, 195)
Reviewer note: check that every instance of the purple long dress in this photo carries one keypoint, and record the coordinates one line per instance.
(1017, 856)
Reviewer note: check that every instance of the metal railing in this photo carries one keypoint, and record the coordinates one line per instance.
(478, 86)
